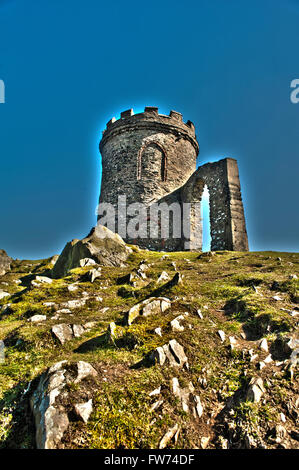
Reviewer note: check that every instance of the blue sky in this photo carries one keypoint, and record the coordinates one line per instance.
(69, 66)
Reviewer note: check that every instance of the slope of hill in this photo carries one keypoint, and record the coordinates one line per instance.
(208, 362)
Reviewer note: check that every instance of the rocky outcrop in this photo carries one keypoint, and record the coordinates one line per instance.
(50, 415)
(5, 262)
(101, 245)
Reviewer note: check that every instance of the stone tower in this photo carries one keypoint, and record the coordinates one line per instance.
(150, 158)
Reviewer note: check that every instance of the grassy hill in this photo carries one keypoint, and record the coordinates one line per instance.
(247, 296)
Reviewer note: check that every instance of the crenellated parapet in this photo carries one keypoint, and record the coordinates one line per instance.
(150, 119)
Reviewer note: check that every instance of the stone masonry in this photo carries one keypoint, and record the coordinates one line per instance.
(150, 158)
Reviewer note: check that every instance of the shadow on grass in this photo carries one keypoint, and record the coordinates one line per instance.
(21, 430)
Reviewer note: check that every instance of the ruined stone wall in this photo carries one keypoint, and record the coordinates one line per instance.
(227, 219)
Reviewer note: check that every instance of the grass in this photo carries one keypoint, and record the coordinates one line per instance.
(234, 292)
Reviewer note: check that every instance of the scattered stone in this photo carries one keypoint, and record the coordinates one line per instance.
(37, 318)
(204, 442)
(280, 433)
(176, 280)
(78, 330)
(233, 342)
(84, 410)
(86, 262)
(90, 325)
(175, 324)
(44, 279)
(255, 390)
(76, 303)
(3, 294)
(49, 304)
(277, 298)
(93, 274)
(168, 436)
(198, 406)
(158, 331)
(101, 245)
(63, 311)
(155, 392)
(268, 359)
(263, 345)
(62, 332)
(293, 276)
(221, 335)
(174, 265)
(85, 370)
(156, 405)
(282, 417)
(72, 287)
(148, 307)
(164, 276)
(199, 314)
(182, 394)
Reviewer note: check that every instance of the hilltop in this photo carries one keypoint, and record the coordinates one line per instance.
(208, 362)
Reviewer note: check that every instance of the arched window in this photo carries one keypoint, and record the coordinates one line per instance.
(152, 160)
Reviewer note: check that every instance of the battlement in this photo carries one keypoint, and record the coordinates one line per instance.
(150, 118)
(150, 112)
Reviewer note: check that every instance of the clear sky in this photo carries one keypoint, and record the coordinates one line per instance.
(69, 66)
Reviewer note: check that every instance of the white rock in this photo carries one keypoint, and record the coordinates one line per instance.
(168, 436)
(85, 370)
(4, 294)
(37, 318)
(255, 390)
(87, 262)
(263, 345)
(163, 277)
(44, 279)
(198, 406)
(158, 331)
(84, 410)
(221, 335)
(76, 303)
(277, 298)
(63, 311)
(175, 325)
(72, 287)
(199, 314)
(268, 359)
(157, 391)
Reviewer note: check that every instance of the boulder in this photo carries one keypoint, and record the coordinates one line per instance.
(5, 262)
(101, 245)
